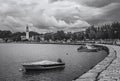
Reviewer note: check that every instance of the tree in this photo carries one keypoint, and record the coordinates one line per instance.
(47, 36)
(59, 35)
(17, 36)
(91, 32)
(116, 30)
(5, 34)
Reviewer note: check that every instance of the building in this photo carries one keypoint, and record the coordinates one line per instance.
(27, 36)
(27, 33)
(31, 37)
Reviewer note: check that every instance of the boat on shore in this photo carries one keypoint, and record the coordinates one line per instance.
(43, 65)
(87, 48)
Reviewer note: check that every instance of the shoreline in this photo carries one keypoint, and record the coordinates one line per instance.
(95, 73)
(68, 60)
(43, 43)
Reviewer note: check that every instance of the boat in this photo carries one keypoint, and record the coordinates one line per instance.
(43, 65)
(87, 48)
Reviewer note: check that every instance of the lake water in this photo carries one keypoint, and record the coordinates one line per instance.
(13, 55)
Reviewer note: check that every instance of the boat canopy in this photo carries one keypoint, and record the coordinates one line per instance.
(45, 62)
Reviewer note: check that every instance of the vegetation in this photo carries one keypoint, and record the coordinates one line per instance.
(107, 31)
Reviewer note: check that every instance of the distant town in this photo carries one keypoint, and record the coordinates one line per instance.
(109, 32)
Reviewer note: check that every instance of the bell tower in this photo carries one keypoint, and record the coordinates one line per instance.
(27, 32)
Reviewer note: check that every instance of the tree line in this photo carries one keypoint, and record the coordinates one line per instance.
(6, 34)
(107, 31)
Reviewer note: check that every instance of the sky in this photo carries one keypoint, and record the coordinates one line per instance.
(53, 15)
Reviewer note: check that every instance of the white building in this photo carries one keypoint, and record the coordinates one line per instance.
(26, 37)
(27, 33)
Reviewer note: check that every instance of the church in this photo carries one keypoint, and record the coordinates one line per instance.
(27, 33)
(27, 36)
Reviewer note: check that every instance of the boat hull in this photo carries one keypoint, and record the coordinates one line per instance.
(43, 67)
(87, 50)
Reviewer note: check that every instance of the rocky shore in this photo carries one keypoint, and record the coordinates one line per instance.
(106, 70)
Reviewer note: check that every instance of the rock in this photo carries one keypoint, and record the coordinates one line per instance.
(87, 79)
(89, 75)
(109, 68)
(106, 79)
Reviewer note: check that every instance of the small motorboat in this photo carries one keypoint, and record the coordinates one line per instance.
(43, 65)
(87, 48)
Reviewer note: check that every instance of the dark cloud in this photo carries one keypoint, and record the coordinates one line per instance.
(96, 3)
(55, 0)
(57, 14)
(101, 3)
(109, 16)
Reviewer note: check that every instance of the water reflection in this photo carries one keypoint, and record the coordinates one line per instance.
(76, 63)
(42, 74)
(38, 72)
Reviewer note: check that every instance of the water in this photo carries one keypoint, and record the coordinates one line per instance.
(13, 55)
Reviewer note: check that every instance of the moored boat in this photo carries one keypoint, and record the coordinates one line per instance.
(87, 48)
(43, 65)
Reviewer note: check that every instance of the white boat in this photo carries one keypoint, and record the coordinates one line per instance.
(90, 47)
(43, 65)
(87, 48)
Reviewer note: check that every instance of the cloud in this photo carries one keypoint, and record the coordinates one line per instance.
(96, 3)
(51, 15)
(111, 14)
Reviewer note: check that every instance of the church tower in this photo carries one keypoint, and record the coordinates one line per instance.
(27, 32)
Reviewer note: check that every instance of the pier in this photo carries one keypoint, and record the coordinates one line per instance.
(106, 70)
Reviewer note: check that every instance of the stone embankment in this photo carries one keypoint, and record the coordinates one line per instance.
(106, 70)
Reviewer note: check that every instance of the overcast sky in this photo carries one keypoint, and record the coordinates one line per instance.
(53, 15)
